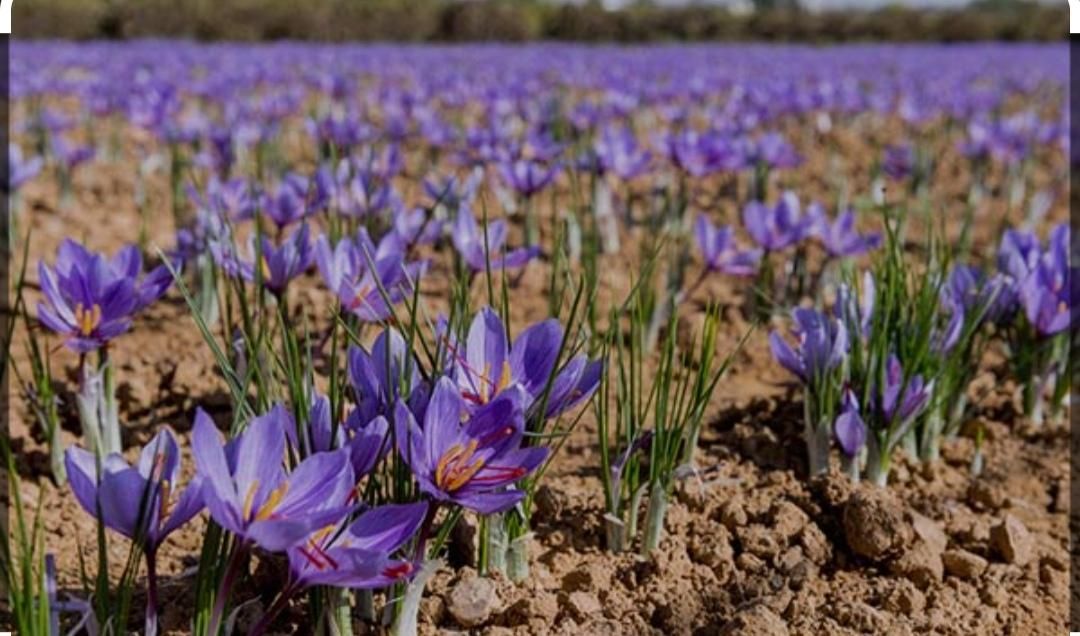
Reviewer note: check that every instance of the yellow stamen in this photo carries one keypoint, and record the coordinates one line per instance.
(317, 537)
(265, 266)
(463, 475)
(486, 376)
(504, 377)
(87, 320)
(249, 499)
(272, 502)
(454, 470)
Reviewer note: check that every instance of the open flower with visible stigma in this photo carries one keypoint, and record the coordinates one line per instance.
(719, 251)
(488, 364)
(481, 252)
(249, 492)
(470, 460)
(142, 503)
(358, 555)
(91, 300)
(368, 280)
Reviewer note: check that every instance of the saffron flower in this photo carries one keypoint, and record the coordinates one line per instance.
(365, 277)
(823, 343)
(359, 554)
(278, 264)
(472, 462)
(899, 400)
(1046, 294)
(840, 238)
(1018, 254)
(141, 503)
(782, 225)
(91, 300)
(719, 251)
(528, 176)
(850, 428)
(249, 493)
(378, 378)
(488, 364)
(479, 251)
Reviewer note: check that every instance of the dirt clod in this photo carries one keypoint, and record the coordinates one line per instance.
(963, 564)
(874, 524)
(1011, 540)
(472, 601)
(757, 620)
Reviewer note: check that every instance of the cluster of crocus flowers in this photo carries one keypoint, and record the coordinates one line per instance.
(818, 362)
(1036, 313)
(143, 503)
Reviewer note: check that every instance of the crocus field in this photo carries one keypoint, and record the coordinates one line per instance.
(540, 339)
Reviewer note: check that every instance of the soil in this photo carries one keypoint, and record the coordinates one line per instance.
(750, 545)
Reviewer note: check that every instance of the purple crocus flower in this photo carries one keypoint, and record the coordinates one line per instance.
(249, 493)
(488, 365)
(528, 176)
(823, 343)
(898, 161)
(359, 273)
(21, 170)
(774, 151)
(719, 251)
(840, 238)
(71, 155)
(1046, 294)
(232, 198)
(379, 378)
(365, 439)
(850, 428)
(916, 393)
(278, 264)
(969, 289)
(785, 224)
(287, 202)
(91, 300)
(617, 152)
(358, 555)
(1018, 254)
(470, 243)
(141, 503)
(469, 462)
